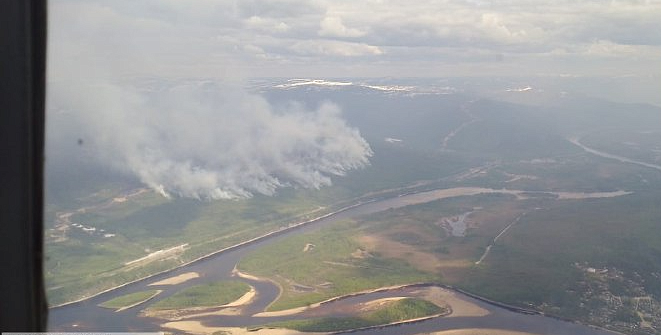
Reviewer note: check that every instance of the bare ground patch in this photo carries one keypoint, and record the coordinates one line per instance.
(378, 243)
(308, 247)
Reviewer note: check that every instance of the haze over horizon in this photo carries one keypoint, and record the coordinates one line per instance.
(323, 38)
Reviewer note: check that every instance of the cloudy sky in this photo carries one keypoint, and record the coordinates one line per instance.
(343, 38)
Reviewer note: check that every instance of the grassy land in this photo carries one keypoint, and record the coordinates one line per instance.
(330, 268)
(401, 310)
(129, 299)
(204, 295)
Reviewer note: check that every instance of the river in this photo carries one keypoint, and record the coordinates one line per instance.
(577, 142)
(87, 316)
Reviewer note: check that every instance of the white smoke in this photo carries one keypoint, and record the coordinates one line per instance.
(211, 141)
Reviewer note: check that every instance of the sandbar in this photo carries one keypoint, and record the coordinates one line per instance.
(196, 327)
(184, 277)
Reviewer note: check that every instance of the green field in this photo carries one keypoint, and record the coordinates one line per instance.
(204, 295)
(130, 299)
(401, 310)
(330, 268)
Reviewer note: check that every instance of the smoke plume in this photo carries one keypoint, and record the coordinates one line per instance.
(211, 141)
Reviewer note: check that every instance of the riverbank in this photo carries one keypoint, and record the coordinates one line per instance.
(130, 300)
(298, 310)
(196, 327)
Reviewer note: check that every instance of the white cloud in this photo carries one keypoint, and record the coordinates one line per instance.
(265, 24)
(335, 48)
(332, 26)
(604, 48)
(183, 38)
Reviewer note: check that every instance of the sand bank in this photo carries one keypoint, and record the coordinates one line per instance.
(459, 305)
(285, 312)
(184, 277)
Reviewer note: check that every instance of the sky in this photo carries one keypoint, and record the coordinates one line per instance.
(349, 38)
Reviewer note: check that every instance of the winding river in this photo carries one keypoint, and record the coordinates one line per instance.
(87, 316)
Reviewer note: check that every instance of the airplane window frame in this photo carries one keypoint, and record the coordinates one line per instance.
(22, 95)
